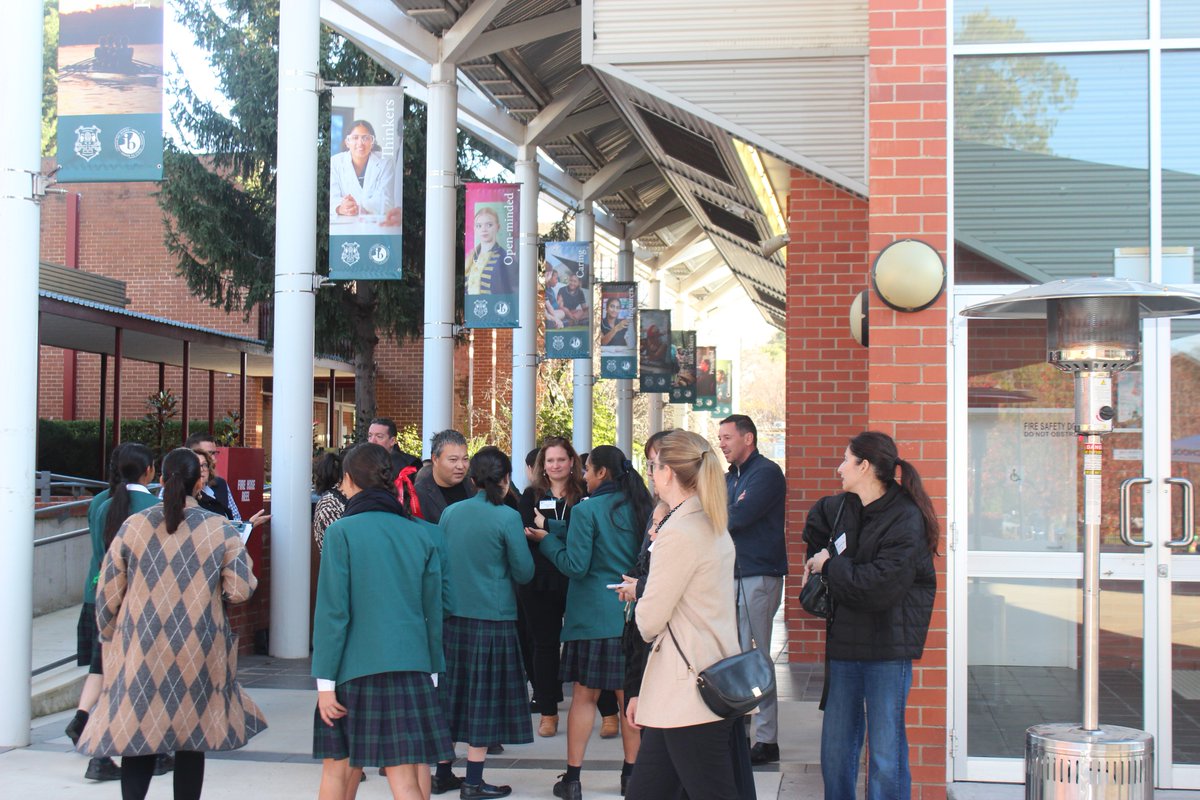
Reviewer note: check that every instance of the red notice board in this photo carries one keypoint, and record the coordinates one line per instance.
(242, 468)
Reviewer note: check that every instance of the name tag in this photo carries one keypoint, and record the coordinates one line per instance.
(839, 544)
(547, 505)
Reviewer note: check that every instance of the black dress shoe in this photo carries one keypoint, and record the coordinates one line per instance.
(764, 753)
(470, 791)
(568, 790)
(163, 763)
(102, 769)
(442, 785)
(74, 730)
(495, 749)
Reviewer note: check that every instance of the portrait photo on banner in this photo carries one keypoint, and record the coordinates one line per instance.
(618, 330)
(491, 272)
(706, 378)
(683, 384)
(567, 299)
(655, 351)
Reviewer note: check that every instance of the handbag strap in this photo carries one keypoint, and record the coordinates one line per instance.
(680, 649)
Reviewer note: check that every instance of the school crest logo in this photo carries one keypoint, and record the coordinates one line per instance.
(558, 343)
(350, 254)
(480, 308)
(87, 142)
(129, 142)
(626, 365)
(576, 342)
(610, 366)
(378, 253)
(502, 308)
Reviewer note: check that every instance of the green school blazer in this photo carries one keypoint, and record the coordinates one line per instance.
(138, 501)
(487, 553)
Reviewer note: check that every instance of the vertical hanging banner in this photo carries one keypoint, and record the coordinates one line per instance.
(366, 188)
(618, 324)
(724, 406)
(568, 299)
(110, 90)
(654, 346)
(706, 379)
(683, 385)
(491, 274)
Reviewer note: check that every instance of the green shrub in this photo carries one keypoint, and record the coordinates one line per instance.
(72, 447)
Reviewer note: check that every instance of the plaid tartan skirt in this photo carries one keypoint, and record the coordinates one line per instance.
(87, 640)
(485, 695)
(391, 718)
(595, 663)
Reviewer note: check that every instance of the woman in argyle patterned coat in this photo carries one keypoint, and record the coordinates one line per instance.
(170, 658)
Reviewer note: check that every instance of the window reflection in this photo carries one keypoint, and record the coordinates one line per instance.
(1048, 20)
(1181, 165)
(1051, 166)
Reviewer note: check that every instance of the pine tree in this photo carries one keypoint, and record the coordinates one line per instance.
(218, 191)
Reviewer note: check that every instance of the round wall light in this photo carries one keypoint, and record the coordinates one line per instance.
(860, 316)
(908, 275)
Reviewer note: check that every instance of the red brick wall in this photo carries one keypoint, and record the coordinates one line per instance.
(826, 368)
(907, 372)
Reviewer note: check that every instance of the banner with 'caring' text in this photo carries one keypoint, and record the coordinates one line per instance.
(366, 186)
(110, 90)
(567, 285)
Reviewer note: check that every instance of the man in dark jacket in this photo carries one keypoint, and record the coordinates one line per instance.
(444, 481)
(757, 491)
(382, 431)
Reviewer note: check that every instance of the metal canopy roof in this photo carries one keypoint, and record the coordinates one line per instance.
(657, 155)
(88, 326)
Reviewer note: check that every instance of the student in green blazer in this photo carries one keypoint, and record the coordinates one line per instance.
(377, 638)
(485, 698)
(600, 545)
(131, 468)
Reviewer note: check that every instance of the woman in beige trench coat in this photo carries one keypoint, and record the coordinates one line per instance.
(170, 657)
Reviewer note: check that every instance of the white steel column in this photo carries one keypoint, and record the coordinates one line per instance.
(585, 231)
(654, 413)
(295, 308)
(437, 410)
(20, 158)
(625, 385)
(524, 363)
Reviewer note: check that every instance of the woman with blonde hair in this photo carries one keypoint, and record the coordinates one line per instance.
(689, 598)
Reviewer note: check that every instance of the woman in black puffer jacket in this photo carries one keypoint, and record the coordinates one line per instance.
(878, 560)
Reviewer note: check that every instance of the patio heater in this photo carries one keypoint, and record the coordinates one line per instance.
(1092, 332)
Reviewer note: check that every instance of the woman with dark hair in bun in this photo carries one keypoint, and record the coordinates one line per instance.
(377, 638)
(600, 545)
(485, 696)
(160, 608)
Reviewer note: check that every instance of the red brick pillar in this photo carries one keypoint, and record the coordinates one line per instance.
(907, 372)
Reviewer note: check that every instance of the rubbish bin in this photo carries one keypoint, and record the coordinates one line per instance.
(1065, 762)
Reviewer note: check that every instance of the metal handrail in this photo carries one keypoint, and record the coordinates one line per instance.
(61, 537)
(52, 665)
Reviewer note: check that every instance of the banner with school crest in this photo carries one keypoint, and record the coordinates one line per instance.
(618, 327)
(655, 352)
(567, 298)
(683, 384)
(706, 379)
(491, 273)
(110, 90)
(366, 185)
(724, 406)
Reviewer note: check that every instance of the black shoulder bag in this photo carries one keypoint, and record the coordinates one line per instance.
(814, 597)
(736, 685)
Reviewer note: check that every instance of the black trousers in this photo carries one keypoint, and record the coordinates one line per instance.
(543, 611)
(136, 772)
(695, 759)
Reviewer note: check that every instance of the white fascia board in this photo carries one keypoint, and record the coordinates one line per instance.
(391, 23)
(771, 146)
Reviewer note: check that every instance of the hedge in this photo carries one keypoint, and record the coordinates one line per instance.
(72, 447)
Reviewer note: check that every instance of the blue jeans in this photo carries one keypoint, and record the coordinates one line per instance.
(870, 696)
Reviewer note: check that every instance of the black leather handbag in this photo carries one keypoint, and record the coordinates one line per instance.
(814, 597)
(736, 685)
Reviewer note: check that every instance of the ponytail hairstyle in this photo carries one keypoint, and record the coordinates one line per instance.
(181, 473)
(629, 483)
(880, 451)
(369, 466)
(490, 467)
(130, 463)
(327, 473)
(694, 463)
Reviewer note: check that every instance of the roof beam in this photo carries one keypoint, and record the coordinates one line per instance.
(558, 109)
(388, 20)
(719, 293)
(583, 121)
(634, 177)
(702, 248)
(647, 220)
(692, 234)
(599, 184)
(468, 28)
(702, 273)
(522, 33)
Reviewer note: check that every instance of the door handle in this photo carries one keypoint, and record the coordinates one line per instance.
(1126, 530)
(1189, 529)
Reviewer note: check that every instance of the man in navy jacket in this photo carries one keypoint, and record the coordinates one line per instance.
(757, 491)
